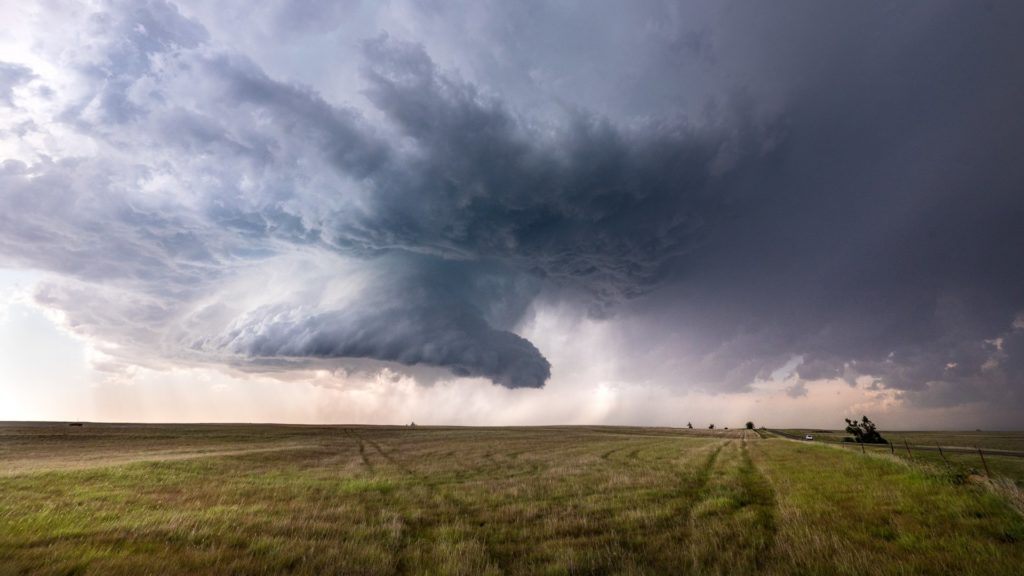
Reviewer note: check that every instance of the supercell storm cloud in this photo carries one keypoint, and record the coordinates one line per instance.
(832, 189)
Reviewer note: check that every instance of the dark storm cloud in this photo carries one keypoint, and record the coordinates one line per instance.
(587, 202)
(428, 315)
(738, 185)
(890, 241)
(479, 185)
(587, 205)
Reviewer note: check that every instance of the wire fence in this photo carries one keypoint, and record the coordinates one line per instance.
(904, 448)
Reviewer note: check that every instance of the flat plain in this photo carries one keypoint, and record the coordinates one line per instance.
(262, 499)
(994, 440)
(958, 456)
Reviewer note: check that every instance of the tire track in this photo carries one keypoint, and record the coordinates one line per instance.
(362, 448)
(672, 531)
(419, 526)
(737, 505)
(760, 496)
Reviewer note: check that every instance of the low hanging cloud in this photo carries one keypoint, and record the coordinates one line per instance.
(733, 189)
(435, 336)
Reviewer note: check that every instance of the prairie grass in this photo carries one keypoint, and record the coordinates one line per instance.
(560, 500)
(952, 462)
(1006, 440)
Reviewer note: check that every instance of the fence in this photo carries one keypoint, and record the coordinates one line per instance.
(909, 449)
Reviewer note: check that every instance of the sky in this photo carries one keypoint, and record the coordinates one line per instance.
(512, 213)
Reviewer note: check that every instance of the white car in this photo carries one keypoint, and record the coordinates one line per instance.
(808, 437)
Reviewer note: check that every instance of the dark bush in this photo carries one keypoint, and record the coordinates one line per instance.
(864, 431)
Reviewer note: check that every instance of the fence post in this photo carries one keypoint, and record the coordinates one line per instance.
(909, 453)
(892, 449)
(942, 454)
(982, 454)
(862, 451)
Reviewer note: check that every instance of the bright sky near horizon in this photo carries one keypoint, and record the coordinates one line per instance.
(496, 213)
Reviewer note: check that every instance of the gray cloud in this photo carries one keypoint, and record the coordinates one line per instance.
(889, 243)
(11, 76)
(732, 187)
(797, 390)
(434, 334)
(586, 202)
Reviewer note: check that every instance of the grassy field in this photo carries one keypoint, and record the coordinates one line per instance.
(1010, 467)
(985, 440)
(106, 499)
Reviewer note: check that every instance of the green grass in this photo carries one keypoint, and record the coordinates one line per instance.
(563, 500)
(947, 462)
(985, 440)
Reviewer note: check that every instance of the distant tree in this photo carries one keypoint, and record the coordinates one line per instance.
(711, 427)
(689, 425)
(750, 425)
(864, 431)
